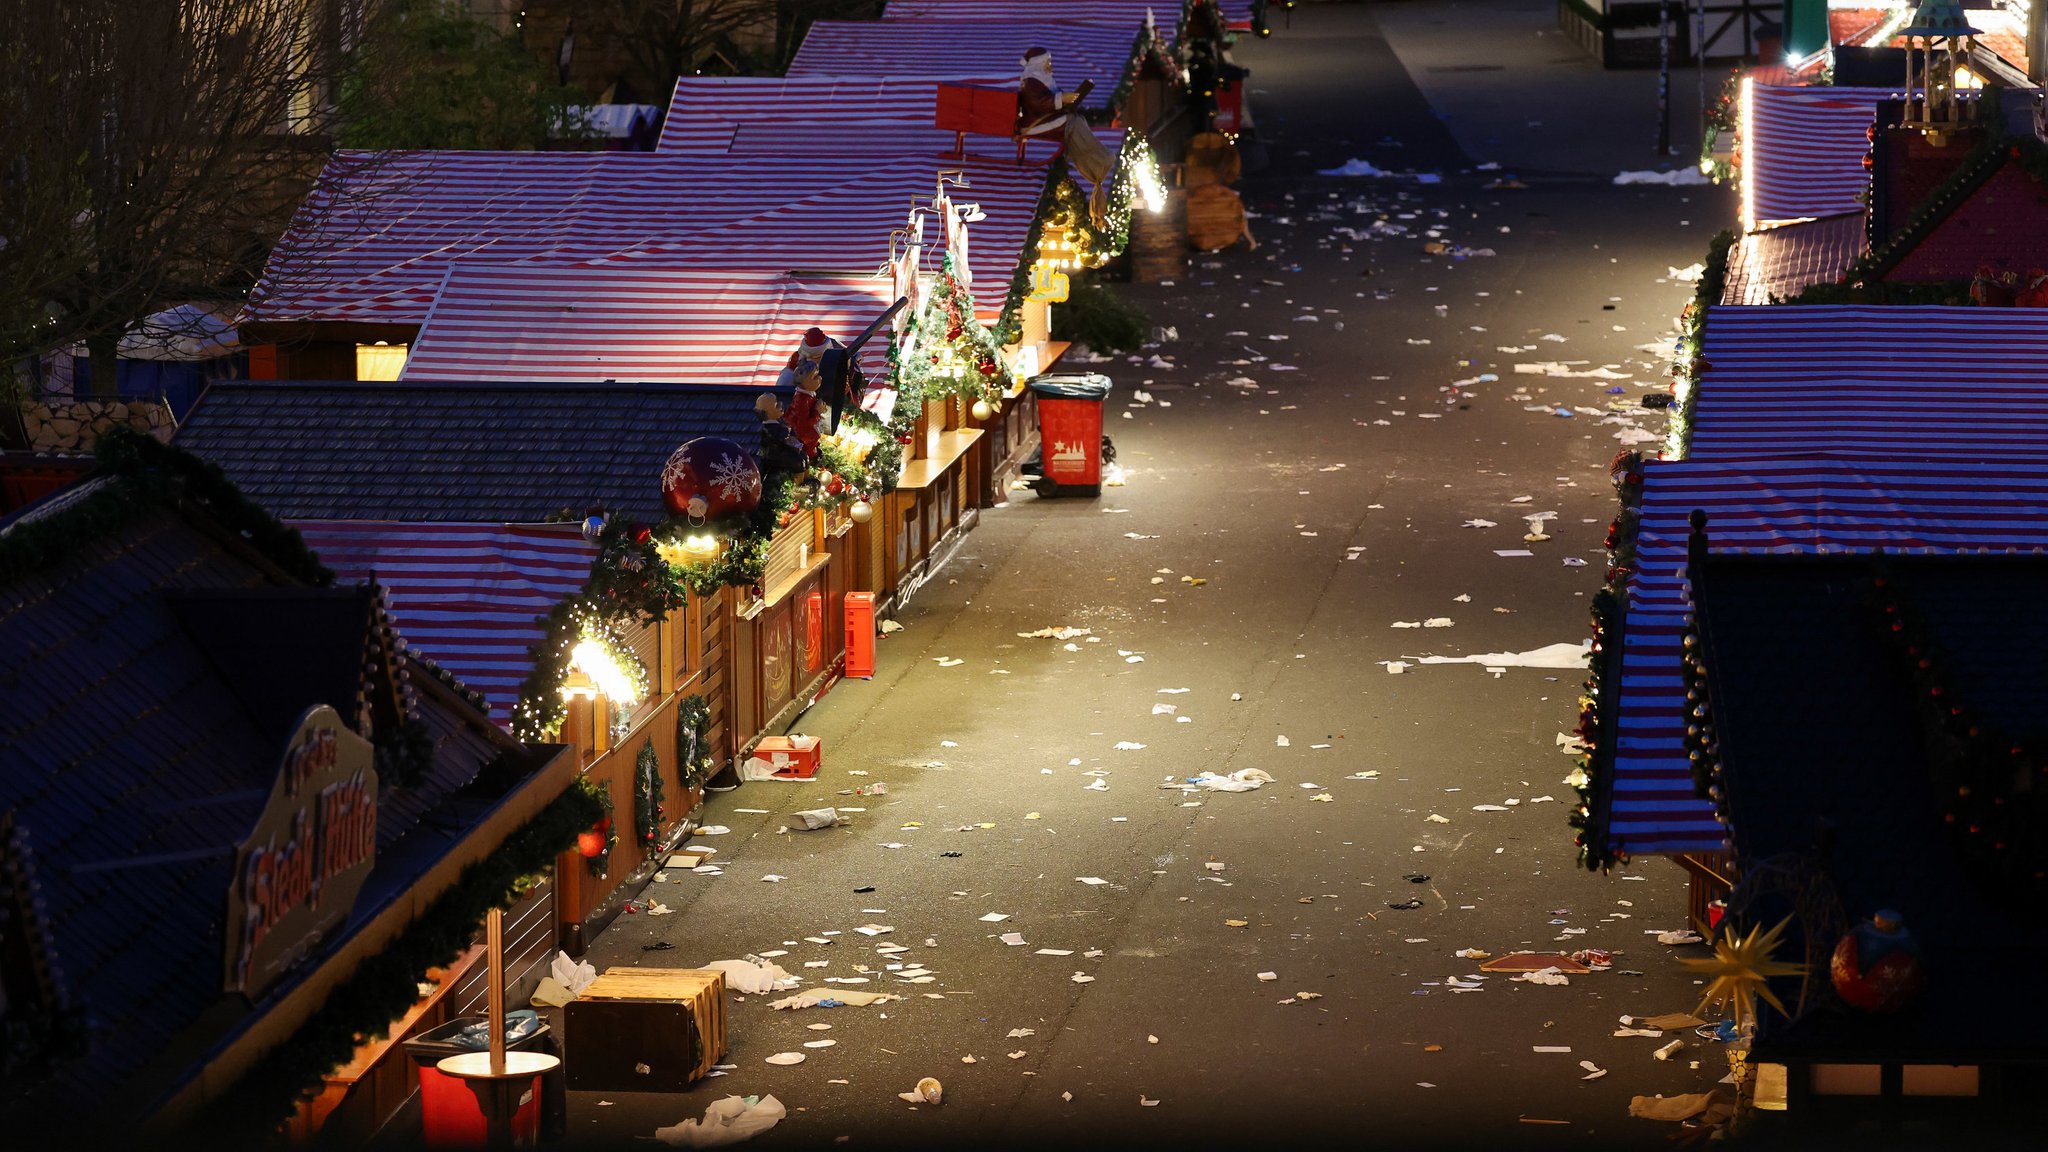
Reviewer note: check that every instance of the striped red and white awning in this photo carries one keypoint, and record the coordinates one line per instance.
(1123, 13)
(1891, 382)
(978, 47)
(377, 236)
(1810, 505)
(470, 597)
(1803, 148)
(634, 322)
(822, 118)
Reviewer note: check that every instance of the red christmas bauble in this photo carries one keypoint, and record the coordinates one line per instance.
(642, 534)
(590, 843)
(711, 478)
(1876, 971)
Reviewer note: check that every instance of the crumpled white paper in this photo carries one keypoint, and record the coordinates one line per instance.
(575, 975)
(726, 1121)
(1242, 780)
(747, 976)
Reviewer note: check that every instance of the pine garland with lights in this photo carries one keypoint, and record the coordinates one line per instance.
(1149, 50)
(1722, 119)
(744, 559)
(1690, 365)
(574, 621)
(694, 762)
(859, 462)
(1993, 788)
(649, 813)
(953, 353)
(1062, 204)
(1010, 325)
(1595, 731)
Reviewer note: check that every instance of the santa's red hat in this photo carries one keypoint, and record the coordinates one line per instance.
(814, 339)
(1034, 52)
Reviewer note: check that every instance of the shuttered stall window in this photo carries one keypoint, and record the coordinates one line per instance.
(645, 641)
(788, 551)
(717, 673)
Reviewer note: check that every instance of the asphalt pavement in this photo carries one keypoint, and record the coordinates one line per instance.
(1333, 452)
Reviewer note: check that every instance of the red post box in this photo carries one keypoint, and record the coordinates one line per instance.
(860, 635)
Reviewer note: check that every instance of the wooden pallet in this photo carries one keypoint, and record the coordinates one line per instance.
(701, 991)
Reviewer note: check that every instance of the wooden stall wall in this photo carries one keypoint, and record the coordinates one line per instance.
(591, 899)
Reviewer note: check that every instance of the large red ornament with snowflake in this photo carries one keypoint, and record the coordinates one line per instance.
(711, 478)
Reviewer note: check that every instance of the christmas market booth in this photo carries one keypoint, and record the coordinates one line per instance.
(659, 597)
(245, 831)
(367, 256)
(1034, 226)
(1780, 415)
(1235, 15)
(1873, 729)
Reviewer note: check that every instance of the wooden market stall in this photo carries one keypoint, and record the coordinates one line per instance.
(473, 504)
(201, 705)
(1873, 732)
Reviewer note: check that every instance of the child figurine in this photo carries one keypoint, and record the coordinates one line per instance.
(781, 451)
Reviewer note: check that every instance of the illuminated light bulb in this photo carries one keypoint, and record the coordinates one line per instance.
(701, 544)
(862, 511)
(608, 676)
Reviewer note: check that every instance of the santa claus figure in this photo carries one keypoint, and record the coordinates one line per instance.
(1045, 111)
(803, 378)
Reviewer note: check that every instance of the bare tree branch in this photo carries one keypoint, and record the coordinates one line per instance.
(149, 153)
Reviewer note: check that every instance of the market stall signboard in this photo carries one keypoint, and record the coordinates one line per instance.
(298, 872)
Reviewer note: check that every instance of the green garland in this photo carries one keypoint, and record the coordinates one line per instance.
(745, 558)
(837, 479)
(1147, 49)
(541, 708)
(1010, 325)
(146, 475)
(648, 811)
(1691, 365)
(405, 752)
(1595, 730)
(694, 762)
(945, 323)
(1721, 120)
(386, 985)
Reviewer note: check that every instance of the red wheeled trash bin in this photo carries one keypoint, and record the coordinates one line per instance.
(1070, 430)
(450, 1116)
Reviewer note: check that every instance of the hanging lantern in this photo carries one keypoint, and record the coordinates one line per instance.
(862, 511)
(577, 683)
(981, 410)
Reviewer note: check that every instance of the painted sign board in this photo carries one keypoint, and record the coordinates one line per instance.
(299, 870)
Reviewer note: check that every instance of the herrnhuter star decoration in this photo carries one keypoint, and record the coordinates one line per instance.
(1738, 971)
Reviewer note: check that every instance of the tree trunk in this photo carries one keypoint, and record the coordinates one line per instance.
(103, 351)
